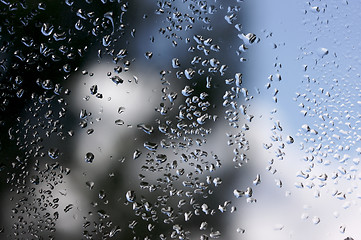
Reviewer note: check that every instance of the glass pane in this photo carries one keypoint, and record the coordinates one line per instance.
(179, 119)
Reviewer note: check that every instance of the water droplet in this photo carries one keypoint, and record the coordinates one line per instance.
(203, 226)
(136, 154)
(189, 73)
(161, 158)
(238, 193)
(90, 131)
(93, 89)
(146, 128)
(83, 114)
(35, 179)
(90, 184)
(230, 18)
(290, 140)
(215, 234)
(130, 196)
(47, 84)
(315, 9)
(188, 215)
(109, 16)
(119, 122)
(257, 180)
(306, 128)
(316, 220)
(47, 29)
(278, 183)
(121, 110)
(114, 231)
(249, 38)
(148, 55)
(175, 63)
(89, 157)
(187, 91)
(241, 230)
(322, 52)
(117, 80)
(172, 96)
(278, 227)
(68, 208)
(150, 146)
(53, 153)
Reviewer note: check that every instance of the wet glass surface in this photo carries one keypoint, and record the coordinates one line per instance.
(180, 119)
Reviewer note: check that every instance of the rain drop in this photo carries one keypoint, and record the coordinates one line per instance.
(89, 157)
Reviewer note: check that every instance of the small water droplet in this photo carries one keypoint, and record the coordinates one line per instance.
(215, 234)
(47, 29)
(83, 114)
(146, 128)
(203, 226)
(148, 55)
(136, 154)
(35, 179)
(150, 146)
(241, 230)
(322, 52)
(257, 180)
(119, 122)
(53, 153)
(121, 110)
(189, 73)
(316, 220)
(90, 184)
(161, 158)
(93, 89)
(130, 196)
(175, 63)
(290, 140)
(278, 227)
(68, 208)
(187, 91)
(89, 157)
(117, 80)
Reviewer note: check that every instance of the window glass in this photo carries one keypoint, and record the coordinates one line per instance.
(193, 119)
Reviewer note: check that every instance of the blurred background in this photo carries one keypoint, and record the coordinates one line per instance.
(179, 119)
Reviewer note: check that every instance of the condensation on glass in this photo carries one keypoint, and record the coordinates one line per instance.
(180, 119)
